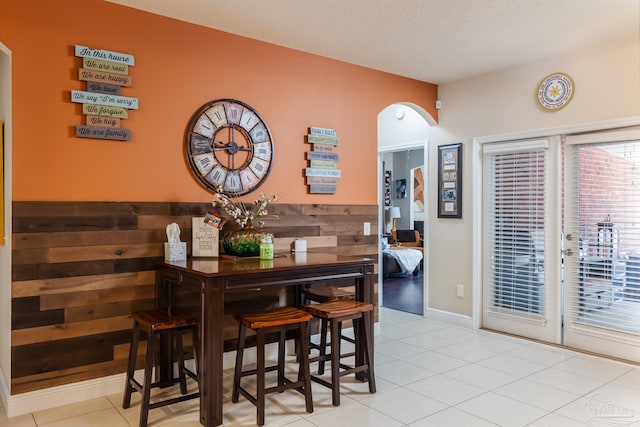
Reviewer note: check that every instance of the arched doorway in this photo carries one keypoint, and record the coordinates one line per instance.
(403, 150)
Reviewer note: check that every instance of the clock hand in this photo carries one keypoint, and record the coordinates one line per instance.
(222, 146)
(233, 147)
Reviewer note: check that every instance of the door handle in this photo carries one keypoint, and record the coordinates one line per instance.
(568, 252)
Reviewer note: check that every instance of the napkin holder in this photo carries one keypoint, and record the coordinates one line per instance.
(175, 251)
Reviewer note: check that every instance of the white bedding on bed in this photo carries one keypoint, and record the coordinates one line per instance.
(407, 258)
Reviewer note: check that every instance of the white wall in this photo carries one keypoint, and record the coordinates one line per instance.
(607, 86)
(393, 134)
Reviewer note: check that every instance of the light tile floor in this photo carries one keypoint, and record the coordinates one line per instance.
(428, 374)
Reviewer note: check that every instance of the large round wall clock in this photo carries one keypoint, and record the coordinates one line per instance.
(229, 146)
(555, 91)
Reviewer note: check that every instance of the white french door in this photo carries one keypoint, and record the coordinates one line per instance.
(521, 252)
(602, 243)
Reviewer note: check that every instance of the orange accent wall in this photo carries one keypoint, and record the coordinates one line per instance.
(179, 67)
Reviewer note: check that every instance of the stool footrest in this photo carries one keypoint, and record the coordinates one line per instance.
(344, 370)
(344, 337)
(255, 371)
(348, 339)
(321, 381)
(327, 357)
(288, 385)
(174, 400)
(138, 386)
(190, 373)
(251, 398)
(352, 370)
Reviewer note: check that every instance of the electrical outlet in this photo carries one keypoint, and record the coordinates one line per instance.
(367, 228)
(460, 290)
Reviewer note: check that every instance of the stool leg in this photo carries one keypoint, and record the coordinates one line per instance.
(310, 325)
(260, 366)
(323, 344)
(338, 338)
(335, 362)
(368, 346)
(304, 369)
(238, 370)
(131, 367)
(282, 342)
(177, 337)
(196, 352)
(148, 373)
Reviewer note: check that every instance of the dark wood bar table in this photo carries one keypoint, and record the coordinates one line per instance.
(215, 280)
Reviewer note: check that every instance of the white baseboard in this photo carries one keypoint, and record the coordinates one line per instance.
(39, 400)
(449, 318)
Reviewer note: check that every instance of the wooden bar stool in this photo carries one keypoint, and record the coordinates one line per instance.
(327, 294)
(335, 313)
(279, 320)
(155, 323)
(322, 294)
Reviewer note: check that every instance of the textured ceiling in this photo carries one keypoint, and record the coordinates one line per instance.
(436, 41)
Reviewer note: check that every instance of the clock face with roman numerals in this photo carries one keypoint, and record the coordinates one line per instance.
(229, 146)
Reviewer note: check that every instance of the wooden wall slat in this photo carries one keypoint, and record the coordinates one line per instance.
(30, 256)
(294, 231)
(49, 271)
(101, 311)
(80, 268)
(81, 283)
(85, 350)
(73, 223)
(313, 242)
(44, 334)
(81, 238)
(27, 313)
(121, 208)
(80, 299)
(56, 209)
(43, 209)
(338, 210)
(89, 253)
(136, 264)
(148, 222)
(42, 380)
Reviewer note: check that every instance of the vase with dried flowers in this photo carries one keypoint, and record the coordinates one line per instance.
(243, 242)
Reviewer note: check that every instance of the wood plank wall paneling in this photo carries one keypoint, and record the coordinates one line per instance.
(80, 268)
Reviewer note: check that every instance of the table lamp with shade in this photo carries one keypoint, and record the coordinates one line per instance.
(394, 214)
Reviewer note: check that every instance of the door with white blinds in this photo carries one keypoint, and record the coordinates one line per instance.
(602, 230)
(521, 238)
